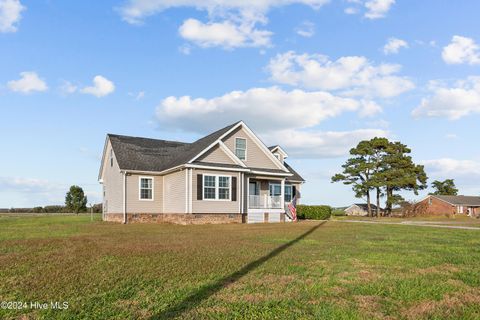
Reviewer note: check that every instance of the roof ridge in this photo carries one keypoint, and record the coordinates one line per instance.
(145, 138)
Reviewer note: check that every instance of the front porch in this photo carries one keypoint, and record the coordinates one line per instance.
(267, 199)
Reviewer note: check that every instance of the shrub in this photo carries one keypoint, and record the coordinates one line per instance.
(314, 212)
(338, 213)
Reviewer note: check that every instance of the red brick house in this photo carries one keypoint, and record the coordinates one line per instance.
(439, 205)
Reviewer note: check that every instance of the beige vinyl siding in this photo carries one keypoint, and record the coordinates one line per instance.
(256, 157)
(175, 192)
(214, 206)
(217, 155)
(112, 183)
(135, 205)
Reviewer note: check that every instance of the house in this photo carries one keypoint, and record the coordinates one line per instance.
(229, 176)
(360, 209)
(440, 205)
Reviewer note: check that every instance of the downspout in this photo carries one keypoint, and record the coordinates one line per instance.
(124, 197)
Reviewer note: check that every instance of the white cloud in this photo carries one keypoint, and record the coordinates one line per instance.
(24, 184)
(293, 117)
(352, 75)
(373, 9)
(10, 15)
(226, 34)
(394, 45)
(451, 136)
(134, 11)
(451, 102)
(378, 8)
(101, 87)
(306, 29)
(232, 23)
(28, 83)
(283, 109)
(451, 168)
(461, 50)
(68, 88)
(137, 96)
(320, 144)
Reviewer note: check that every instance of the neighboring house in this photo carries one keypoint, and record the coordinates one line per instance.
(438, 205)
(227, 176)
(360, 209)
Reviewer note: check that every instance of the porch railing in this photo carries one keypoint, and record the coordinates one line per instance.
(264, 202)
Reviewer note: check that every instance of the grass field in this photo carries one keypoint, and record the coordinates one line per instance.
(322, 270)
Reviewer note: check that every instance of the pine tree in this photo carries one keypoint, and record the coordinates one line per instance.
(445, 188)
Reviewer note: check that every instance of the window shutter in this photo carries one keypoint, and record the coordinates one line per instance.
(294, 191)
(234, 188)
(199, 187)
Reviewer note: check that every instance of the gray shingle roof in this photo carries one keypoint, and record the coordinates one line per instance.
(144, 154)
(460, 200)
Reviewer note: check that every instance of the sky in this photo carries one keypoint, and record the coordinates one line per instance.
(314, 76)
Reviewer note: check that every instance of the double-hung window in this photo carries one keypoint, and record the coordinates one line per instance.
(241, 148)
(209, 187)
(288, 193)
(146, 188)
(216, 187)
(275, 189)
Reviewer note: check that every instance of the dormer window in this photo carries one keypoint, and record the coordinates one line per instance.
(241, 148)
(277, 156)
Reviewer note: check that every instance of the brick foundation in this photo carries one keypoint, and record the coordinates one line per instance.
(180, 218)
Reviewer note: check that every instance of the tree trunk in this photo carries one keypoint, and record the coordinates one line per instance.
(389, 201)
(378, 202)
(369, 206)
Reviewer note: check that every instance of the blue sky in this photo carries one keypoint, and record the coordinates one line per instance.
(314, 76)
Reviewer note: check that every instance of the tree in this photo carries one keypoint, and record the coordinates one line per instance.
(75, 200)
(383, 166)
(401, 173)
(358, 171)
(445, 188)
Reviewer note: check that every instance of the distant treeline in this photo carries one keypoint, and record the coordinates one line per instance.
(97, 208)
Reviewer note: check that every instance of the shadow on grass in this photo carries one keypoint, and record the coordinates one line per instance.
(206, 291)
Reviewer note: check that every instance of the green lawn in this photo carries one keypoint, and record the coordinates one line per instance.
(284, 271)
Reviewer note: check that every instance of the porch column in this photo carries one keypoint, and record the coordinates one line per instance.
(248, 193)
(282, 194)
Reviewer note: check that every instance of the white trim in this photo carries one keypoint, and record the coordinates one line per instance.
(255, 139)
(190, 190)
(235, 147)
(248, 192)
(272, 173)
(124, 197)
(282, 200)
(186, 191)
(157, 173)
(100, 173)
(196, 166)
(215, 142)
(140, 188)
(217, 186)
(264, 148)
(163, 194)
(284, 154)
(432, 195)
(240, 194)
(231, 154)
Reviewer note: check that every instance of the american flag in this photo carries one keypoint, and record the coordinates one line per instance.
(292, 206)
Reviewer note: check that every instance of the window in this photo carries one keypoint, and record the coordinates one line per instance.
(277, 156)
(209, 187)
(275, 189)
(111, 157)
(241, 148)
(460, 209)
(146, 188)
(288, 193)
(216, 187)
